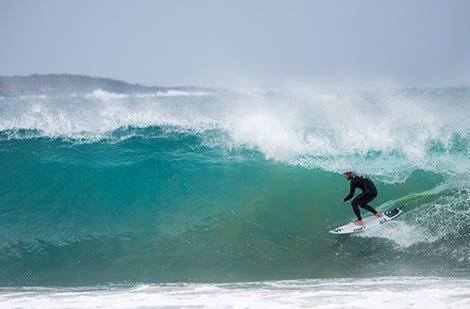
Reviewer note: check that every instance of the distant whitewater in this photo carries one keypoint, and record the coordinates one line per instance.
(134, 190)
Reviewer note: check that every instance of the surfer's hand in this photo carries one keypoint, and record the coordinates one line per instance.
(341, 201)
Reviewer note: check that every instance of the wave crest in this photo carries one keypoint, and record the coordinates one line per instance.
(372, 132)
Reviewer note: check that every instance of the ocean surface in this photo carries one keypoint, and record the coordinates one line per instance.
(225, 199)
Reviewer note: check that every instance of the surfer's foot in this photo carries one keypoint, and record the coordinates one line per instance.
(359, 222)
(378, 215)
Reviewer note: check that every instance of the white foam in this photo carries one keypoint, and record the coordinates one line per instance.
(176, 93)
(430, 221)
(107, 96)
(401, 234)
(377, 132)
(394, 292)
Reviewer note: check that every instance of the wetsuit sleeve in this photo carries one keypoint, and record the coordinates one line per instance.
(351, 191)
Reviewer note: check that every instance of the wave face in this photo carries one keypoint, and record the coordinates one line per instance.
(223, 187)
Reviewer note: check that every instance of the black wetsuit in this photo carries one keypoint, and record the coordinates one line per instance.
(369, 192)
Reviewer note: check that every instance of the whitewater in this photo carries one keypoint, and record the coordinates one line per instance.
(225, 199)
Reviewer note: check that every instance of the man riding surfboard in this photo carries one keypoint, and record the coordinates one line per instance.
(369, 193)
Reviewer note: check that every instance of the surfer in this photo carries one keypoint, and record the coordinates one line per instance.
(369, 193)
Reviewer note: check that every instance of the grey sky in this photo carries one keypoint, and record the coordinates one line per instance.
(224, 43)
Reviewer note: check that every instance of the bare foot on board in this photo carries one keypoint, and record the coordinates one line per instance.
(359, 222)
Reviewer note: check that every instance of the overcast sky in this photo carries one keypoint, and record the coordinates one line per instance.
(224, 43)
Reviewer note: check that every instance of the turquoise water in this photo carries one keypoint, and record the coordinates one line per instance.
(229, 187)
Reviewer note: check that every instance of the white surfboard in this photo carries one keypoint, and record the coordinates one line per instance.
(369, 222)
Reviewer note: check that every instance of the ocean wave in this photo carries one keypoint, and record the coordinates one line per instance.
(162, 209)
(401, 154)
(109, 188)
(372, 132)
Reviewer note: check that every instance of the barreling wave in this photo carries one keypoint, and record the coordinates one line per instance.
(230, 186)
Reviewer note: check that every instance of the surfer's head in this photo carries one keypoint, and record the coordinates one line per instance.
(348, 175)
